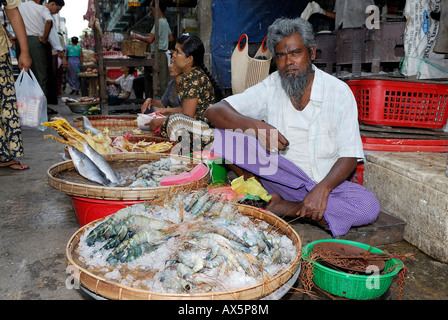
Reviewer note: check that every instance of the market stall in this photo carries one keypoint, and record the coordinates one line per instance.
(147, 63)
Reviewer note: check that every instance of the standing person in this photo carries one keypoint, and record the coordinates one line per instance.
(165, 37)
(11, 146)
(74, 54)
(54, 51)
(38, 23)
(308, 122)
(346, 13)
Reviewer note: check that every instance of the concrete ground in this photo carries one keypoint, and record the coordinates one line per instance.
(37, 221)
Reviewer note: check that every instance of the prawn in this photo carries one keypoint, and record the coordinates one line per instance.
(191, 260)
(125, 248)
(139, 222)
(215, 262)
(199, 204)
(230, 235)
(106, 229)
(205, 208)
(194, 199)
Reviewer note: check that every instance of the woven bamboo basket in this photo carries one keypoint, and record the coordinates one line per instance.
(117, 125)
(114, 123)
(116, 291)
(88, 190)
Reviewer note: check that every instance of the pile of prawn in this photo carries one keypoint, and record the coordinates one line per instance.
(100, 142)
(150, 174)
(190, 243)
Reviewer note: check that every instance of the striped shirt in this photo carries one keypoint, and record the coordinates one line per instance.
(333, 129)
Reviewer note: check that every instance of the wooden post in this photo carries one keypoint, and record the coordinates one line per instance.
(156, 69)
(101, 70)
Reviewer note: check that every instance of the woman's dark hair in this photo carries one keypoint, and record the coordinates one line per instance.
(131, 70)
(74, 40)
(193, 46)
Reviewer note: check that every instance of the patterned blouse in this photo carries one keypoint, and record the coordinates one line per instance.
(196, 84)
(193, 84)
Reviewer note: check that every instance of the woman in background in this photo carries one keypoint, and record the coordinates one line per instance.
(197, 88)
(74, 54)
(11, 144)
(170, 101)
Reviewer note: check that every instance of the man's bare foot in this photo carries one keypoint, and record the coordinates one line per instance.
(282, 208)
(285, 208)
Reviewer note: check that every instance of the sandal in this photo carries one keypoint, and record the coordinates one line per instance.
(17, 164)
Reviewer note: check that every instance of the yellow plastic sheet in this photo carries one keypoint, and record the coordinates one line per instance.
(250, 186)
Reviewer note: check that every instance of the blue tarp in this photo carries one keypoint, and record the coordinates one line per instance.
(232, 18)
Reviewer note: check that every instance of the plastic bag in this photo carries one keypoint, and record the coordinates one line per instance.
(31, 101)
(419, 38)
(250, 186)
(143, 119)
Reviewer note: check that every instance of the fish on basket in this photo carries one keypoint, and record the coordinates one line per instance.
(92, 166)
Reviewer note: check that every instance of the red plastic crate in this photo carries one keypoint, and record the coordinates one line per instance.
(404, 145)
(401, 103)
(358, 175)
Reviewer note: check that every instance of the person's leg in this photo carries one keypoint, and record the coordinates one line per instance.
(11, 143)
(348, 205)
(38, 53)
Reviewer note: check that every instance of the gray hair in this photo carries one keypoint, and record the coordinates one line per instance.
(284, 27)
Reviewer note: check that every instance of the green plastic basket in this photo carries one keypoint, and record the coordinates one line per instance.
(352, 286)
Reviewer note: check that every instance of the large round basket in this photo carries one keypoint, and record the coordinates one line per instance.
(110, 121)
(109, 289)
(94, 191)
(117, 124)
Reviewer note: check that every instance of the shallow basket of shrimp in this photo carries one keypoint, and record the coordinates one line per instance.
(145, 278)
(63, 177)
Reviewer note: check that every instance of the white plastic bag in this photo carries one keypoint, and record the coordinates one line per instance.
(419, 38)
(31, 101)
(143, 119)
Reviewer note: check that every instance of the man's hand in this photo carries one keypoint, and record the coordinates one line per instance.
(270, 138)
(42, 39)
(314, 204)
